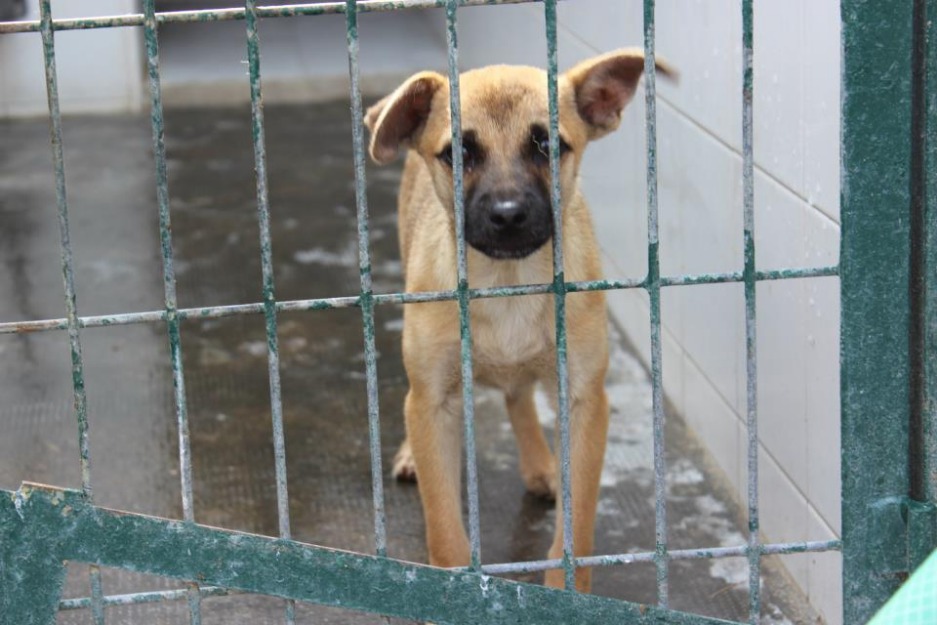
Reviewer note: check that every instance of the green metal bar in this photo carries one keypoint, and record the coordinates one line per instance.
(219, 15)
(876, 135)
(623, 559)
(72, 529)
(653, 286)
(269, 291)
(929, 404)
(559, 298)
(751, 337)
(68, 272)
(462, 290)
(68, 278)
(31, 572)
(169, 283)
(331, 303)
(922, 265)
(136, 598)
(367, 294)
(673, 554)
(922, 341)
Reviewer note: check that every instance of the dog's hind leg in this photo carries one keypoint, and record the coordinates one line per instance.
(538, 467)
(588, 434)
(434, 432)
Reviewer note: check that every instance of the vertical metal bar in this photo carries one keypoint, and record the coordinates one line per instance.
(876, 135)
(929, 426)
(923, 349)
(748, 275)
(68, 278)
(559, 297)
(468, 400)
(661, 559)
(367, 294)
(169, 283)
(922, 455)
(269, 297)
(68, 274)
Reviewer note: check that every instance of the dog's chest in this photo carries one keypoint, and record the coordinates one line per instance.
(511, 331)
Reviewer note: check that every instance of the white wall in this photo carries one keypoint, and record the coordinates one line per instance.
(99, 71)
(204, 63)
(797, 68)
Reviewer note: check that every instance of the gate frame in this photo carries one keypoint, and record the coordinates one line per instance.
(888, 360)
(889, 316)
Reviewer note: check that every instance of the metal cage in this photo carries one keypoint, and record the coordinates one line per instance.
(889, 256)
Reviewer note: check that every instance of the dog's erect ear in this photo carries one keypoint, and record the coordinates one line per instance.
(396, 119)
(604, 85)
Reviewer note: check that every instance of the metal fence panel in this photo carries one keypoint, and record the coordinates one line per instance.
(883, 212)
(41, 526)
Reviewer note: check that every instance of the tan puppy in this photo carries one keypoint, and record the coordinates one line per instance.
(508, 227)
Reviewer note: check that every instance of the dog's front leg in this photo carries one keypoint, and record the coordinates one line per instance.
(588, 433)
(538, 467)
(434, 431)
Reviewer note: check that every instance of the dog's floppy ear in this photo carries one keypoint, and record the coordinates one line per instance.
(604, 85)
(396, 119)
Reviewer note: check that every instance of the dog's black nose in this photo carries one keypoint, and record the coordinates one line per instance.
(507, 213)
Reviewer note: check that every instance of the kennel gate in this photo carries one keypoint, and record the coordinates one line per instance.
(888, 274)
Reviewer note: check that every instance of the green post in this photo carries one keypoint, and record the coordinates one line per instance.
(887, 515)
(31, 571)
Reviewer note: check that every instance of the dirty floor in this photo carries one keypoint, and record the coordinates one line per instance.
(133, 431)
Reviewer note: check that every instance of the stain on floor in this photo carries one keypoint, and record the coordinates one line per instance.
(134, 445)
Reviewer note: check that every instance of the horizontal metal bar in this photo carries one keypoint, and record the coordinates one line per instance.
(214, 312)
(501, 569)
(225, 15)
(760, 276)
(68, 528)
(135, 598)
(673, 554)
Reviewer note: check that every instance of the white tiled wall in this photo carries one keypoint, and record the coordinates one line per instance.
(99, 70)
(797, 67)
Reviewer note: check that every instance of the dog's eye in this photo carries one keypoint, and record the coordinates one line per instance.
(471, 155)
(540, 145)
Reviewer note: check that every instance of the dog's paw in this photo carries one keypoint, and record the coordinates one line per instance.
(542, 483)
(404, 464)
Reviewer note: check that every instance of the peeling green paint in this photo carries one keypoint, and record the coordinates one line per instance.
(653, 285)
(268, 286)
(462, 289)
(559, 297)
(887, 322)
(283, 568)
(219, 15)
(366, 301)
(751, 337)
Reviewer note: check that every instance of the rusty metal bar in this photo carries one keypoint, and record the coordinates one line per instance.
(366, 301)
(559, 299)
(331, 303)
(169, 284)
(462, 289)
(68, 279)
(223, 15)
(751, 338)
(269, 295)
(653, 286)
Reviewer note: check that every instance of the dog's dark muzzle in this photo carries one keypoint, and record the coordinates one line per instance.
(508, 225)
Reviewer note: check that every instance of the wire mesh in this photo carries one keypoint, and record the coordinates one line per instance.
(366, 300)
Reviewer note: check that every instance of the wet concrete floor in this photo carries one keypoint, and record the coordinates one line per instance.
(112, 201)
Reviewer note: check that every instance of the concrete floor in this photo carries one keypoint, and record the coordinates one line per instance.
(133, 440)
